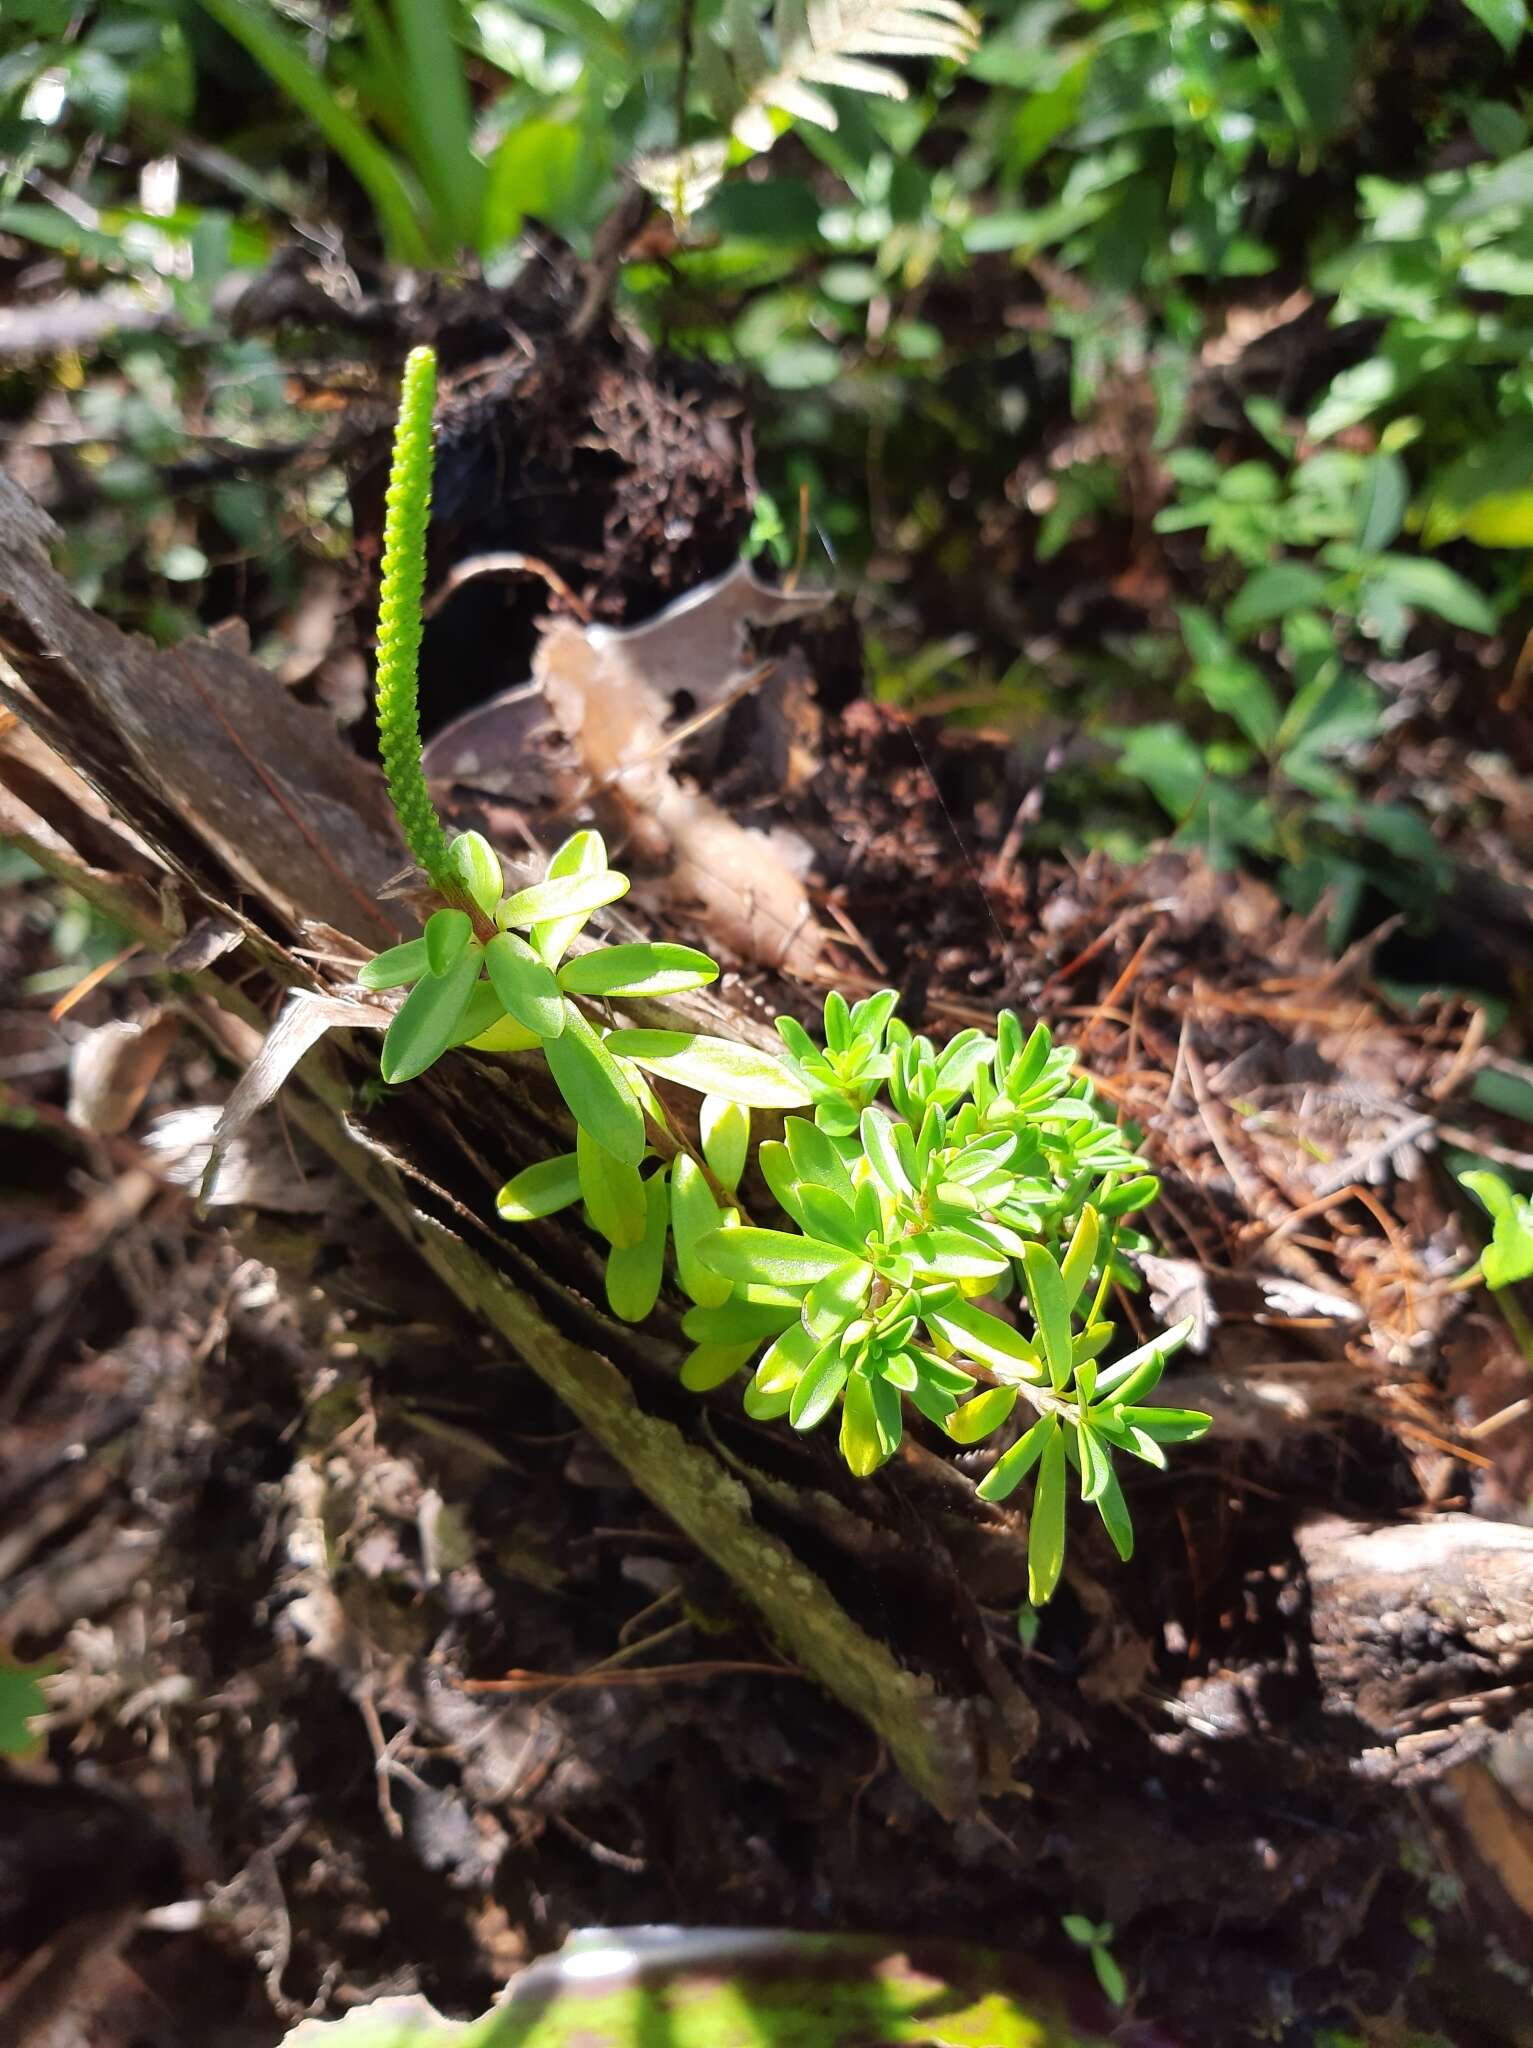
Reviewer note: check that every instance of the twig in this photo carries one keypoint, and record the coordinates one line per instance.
(505, 562)
(1356, 1168)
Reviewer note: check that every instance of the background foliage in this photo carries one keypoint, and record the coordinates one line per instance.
(1160, 374)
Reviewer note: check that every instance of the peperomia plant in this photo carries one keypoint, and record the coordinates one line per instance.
(955, 1219)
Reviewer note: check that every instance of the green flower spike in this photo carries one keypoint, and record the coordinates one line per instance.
(407, 514)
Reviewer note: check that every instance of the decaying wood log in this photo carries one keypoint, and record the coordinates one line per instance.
(1423, 1633)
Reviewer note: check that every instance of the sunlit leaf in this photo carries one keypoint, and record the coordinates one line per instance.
(637, 970)
(694, 1217)
(595, 1092)
(777, 1256)
(540, 1190)
(525, 985)
(725, 1130)
(713, 1066)
(397, 968)
(634, 1272)
(427, 1019)
(613, 1191)
(1046, 1524)
(448, 932)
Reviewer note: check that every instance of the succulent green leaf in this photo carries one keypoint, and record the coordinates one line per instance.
(827, 1216)
(714, 1066)
(783, 1364)
(477, 866)
(977, 1418)
(1168, 1425)
(1090, 1343)
(1075, 1267)
(1050, 1300)
(777, 1171)
(932, 1401)
(1113, 1509)
(725, 1130)
(762, 1406)
(448, 932)
(797, 1039)
(637, 970)
(594, 1090)
(1508, 1257)
(882, 1155)
(1131, 1196)
(888, 1415)
(709, 1365)
(737, 1321)
(776, 1256)
(986, 1338)
(583, 853)
(815, 1157)
(954, 1255)
(525, 985)
(1046, 1525)
(862, 1440)
(423, 1028)
(540, 1190)
(562, 897)
(1013, 1466)
(396, 968)
(694, 1216)
(500, 1034)
(1096, 1462)
(818, 1386)
(613, 1191)
(634, 1272)
(1136, 1375)
(831, 1300)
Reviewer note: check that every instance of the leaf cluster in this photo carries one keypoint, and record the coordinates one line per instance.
(926, 1184)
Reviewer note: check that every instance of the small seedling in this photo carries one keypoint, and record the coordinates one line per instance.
(923, 1184)
(1094, 1939)
(1508, 1257)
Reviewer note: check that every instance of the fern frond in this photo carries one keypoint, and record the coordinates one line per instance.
(828, 43)
(682, 180)
(819, 43)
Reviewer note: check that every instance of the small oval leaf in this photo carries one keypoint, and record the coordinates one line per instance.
(638, 970)
(714, 1066)
(776, 1256)
(524, 984)
(710, 1365)
(725, 1130)
(695, 1216)
(583, 853)
(614, 1193)
(396, 968)
(477, 866)
(634, 1272)
(979, 1417)
(540, 1190)
(447, 934)
(819, 1384)
(597, 1096)
(1046, 1526)
(424, 1027)
(563, 896)
(1051, 1312)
